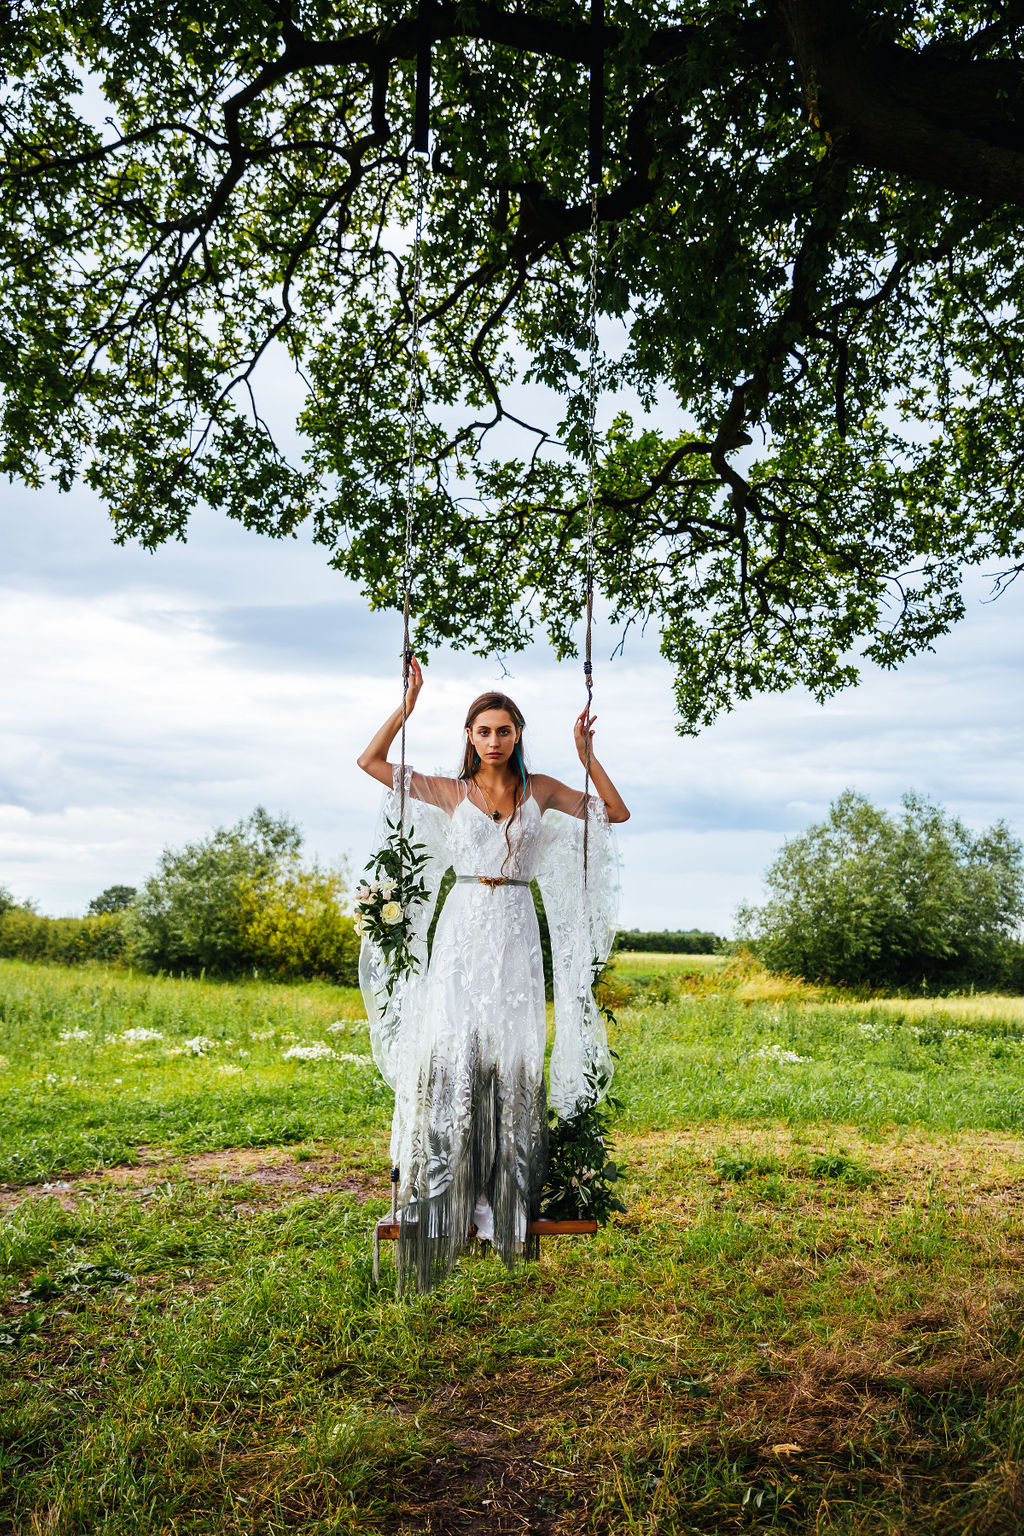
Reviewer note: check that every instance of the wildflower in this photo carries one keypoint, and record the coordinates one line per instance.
(339, 1027)
(357, 1061)
(139, 1036)
(230, 1071)
(198, 1045)
(316, 1052)
(73, 1036)
(779, 1054)
(391, 912)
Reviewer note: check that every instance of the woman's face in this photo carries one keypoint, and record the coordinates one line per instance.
(494, 735)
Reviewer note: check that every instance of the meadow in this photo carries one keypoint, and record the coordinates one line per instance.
(811, 1318)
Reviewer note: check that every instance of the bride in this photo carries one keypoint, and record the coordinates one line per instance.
(462, 1039)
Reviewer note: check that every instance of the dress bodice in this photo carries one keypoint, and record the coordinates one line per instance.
(477, 845)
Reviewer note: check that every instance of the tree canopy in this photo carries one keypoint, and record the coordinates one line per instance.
(116, 898)
(809, 267)
(869, 899)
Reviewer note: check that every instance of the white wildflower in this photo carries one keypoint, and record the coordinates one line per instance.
(199, 1045)
(140, 1036)
(778, 1054)
(229, 1071)
(266, 1034)
(317, 1052)
(244, 1053)
(73, 1036)
(339, 1027)
(357, 1061)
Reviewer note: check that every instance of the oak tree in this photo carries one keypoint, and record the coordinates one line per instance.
(809, 269)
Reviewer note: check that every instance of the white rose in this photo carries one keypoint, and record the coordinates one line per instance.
(391, 912)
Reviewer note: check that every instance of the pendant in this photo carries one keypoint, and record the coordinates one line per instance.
(495, 816)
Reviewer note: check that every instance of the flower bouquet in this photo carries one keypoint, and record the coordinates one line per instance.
(386, 903)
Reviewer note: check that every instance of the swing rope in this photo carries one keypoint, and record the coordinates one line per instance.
(588, 544)
(595, 144)
(412, 447)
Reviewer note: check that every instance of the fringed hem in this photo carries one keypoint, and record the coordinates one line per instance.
(504, 1162)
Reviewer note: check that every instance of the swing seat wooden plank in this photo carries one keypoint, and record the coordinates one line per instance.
(388, 1230)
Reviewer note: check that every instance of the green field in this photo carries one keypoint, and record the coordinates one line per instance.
(810, 1320)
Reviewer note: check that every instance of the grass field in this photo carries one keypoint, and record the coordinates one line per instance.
(811, 1319)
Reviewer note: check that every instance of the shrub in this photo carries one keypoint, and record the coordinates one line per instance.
(295, 925)
(194, 913)
(25, 935)
(868, 899)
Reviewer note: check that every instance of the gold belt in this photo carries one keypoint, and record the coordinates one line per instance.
(491, 880)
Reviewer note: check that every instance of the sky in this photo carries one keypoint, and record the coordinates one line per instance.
(147, 698)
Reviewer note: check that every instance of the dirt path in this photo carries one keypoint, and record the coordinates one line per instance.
(275, 1170)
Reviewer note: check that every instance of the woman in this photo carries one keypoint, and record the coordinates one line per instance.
(462, 1039)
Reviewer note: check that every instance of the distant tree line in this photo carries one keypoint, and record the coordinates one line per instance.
(675, 941)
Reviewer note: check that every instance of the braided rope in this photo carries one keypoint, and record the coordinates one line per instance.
(588, 547)
(412, 410)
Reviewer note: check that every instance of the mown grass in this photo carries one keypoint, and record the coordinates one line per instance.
(809, 1320)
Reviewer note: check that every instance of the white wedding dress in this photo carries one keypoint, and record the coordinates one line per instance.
(462, 1041)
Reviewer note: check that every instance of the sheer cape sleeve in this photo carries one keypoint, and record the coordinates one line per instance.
(428, 805)
(581, 922)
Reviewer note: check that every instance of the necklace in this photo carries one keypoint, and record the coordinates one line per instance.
(495, 815)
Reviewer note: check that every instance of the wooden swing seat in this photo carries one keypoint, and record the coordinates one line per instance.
(577, 1226)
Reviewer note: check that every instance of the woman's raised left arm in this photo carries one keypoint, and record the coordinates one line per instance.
(559, 797)
(583, 731)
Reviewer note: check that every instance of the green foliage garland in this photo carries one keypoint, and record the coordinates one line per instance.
(582, 1176)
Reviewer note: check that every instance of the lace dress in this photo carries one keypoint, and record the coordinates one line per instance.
(462, 1042)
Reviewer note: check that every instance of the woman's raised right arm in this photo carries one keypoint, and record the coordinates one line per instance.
(374, 760)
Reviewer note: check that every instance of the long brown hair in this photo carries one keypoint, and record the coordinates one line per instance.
(471, 758)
